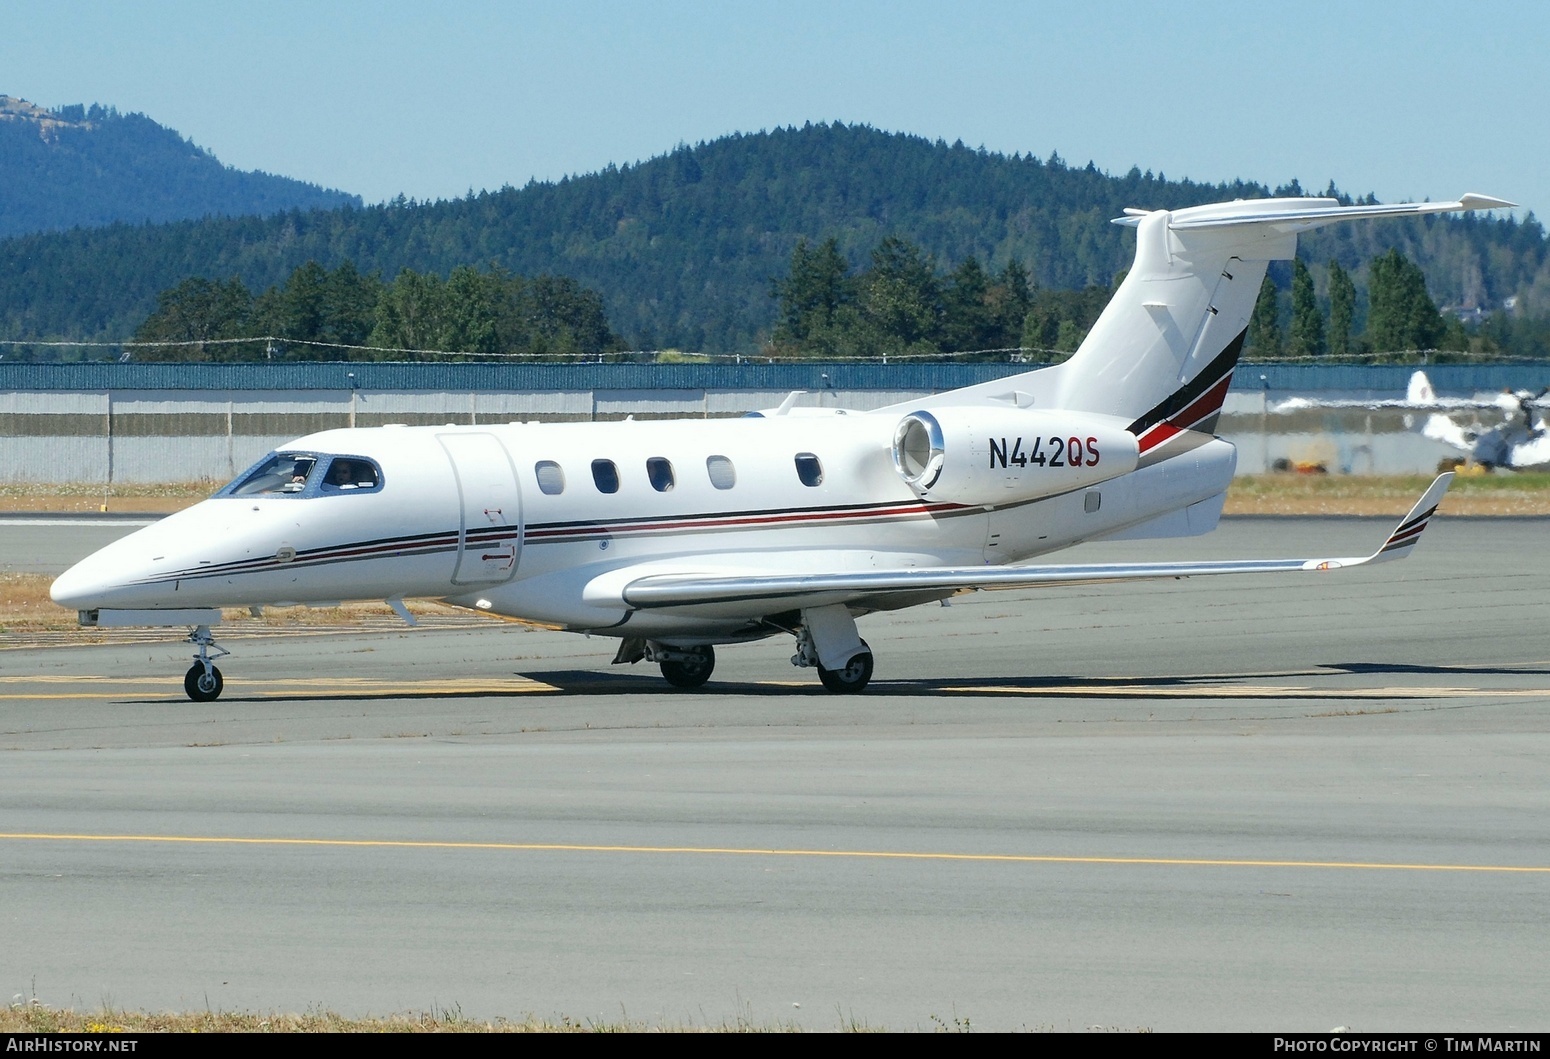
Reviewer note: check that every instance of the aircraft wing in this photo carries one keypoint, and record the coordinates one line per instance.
(674, 590)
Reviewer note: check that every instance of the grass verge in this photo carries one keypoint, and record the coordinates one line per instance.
(38, 1018)
(1319, 494)
(25, 606)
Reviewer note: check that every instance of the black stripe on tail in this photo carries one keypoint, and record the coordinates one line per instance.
(1204, 417)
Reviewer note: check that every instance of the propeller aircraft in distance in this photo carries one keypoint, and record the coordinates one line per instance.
(1519, 442)
(678, 536)
(1515, 433)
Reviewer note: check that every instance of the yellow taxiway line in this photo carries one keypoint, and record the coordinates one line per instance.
(558, 847)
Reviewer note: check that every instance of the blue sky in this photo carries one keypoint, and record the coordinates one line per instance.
(1412, 100)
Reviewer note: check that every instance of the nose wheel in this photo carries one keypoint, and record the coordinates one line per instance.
(203, 685)
(203, 681)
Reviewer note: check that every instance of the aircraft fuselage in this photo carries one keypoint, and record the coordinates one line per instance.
(515, 520)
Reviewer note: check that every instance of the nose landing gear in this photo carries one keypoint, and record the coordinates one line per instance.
(203, 681)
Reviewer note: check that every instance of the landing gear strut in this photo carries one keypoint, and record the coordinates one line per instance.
(203, 681)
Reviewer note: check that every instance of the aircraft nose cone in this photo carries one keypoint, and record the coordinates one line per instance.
(67, 589)
(84, 586)
(121, 574)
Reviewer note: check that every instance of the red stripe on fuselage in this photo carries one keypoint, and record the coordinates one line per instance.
(738, 521)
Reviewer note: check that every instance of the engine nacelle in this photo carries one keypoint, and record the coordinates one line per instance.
(994, 456)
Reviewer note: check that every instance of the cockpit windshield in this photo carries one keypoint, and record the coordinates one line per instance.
(309, 473)
(284, 472)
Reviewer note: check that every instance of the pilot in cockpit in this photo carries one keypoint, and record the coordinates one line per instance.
(342, 475)
(350, 474)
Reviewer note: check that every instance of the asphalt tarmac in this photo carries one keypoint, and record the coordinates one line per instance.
(1268, 803)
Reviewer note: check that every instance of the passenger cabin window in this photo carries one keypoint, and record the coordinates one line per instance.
(722, 474)
(809, 469)
(606, 475)
(345, 475)
(284, 472)
(551, 479)
(660, 472)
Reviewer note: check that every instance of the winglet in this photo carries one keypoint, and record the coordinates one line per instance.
(1408, 532)
(1405, 535)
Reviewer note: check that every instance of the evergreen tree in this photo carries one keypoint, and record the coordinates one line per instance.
(565, 317)
(409, 314)
(197, 310)
(811, 296)
(351, 300)
(301, 310)
(1401, 315)
(1011, 298)
(901, 300)
(1342, 309)
(1307, 337)
(970, 321)
(1265, 324)
(468, 322)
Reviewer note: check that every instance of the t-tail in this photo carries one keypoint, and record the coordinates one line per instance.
(1162, 354)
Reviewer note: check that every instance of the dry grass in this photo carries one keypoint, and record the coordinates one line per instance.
(24, 604)
(25, 607)
(68, 498)
(1319, 494)
(38, 1018)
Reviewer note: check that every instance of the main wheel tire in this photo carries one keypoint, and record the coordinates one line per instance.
(202, 686)
(853, 678)
(693, 672)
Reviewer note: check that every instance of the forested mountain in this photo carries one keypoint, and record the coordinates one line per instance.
(90, 166)
(687, 248)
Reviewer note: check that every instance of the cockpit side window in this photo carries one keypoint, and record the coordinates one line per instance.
(283, 472)
(348, 473)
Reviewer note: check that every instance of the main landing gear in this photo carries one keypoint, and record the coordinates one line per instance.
(682, 667)
(851, 679)
(826, 641)
(685, 667)
(203, 681)
(830, 632)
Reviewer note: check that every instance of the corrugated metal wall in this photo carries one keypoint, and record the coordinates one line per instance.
(748, 375)
(146, 423)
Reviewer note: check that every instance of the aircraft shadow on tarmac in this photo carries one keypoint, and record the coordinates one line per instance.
(1310, 683)
(1400, 669)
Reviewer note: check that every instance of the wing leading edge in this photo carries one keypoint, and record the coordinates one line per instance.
(655, 591)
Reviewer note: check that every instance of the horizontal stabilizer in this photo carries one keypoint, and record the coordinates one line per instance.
(1290, 216)
(655, 591)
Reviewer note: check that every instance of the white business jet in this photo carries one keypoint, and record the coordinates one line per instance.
(676, 536)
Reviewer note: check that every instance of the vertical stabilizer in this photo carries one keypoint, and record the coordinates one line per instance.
(1163, 351)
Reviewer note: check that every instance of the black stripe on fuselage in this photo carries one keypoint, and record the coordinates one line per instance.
(575, 530)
